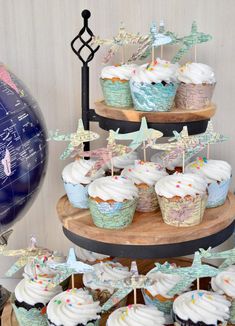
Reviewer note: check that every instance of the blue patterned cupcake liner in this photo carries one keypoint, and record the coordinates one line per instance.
(31, 317)
(217, 193)
(77, 194)
(116, 93)
(116, 215)
(153, 97)
(165, 307)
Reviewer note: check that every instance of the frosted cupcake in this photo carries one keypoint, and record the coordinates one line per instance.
(182, 198)
(112, 202)
(217, 174)
(157, 294)
(100, 282)
(115, 85)
(200, 308)
(144, 175)
(74, 307)
(197, 83)
(153, 86)
(121, 162)
(224, 283)
(33, 293)
(90, 257)
(136, 315)
(76, 181)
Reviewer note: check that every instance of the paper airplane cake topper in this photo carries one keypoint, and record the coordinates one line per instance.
(26, 255)
(191, 40)
(117, 42)
(6, 78)
(188, 274)
(137, 138)
(75, 140)
(228, 256)
(148, 42)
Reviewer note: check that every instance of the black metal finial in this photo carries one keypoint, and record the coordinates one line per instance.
(85, 44)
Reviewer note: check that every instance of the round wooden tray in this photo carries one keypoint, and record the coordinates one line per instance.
(9, 319)
(128, 119)
(148, 236)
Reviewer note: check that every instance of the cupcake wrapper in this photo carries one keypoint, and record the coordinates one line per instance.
(32, 317)
(116, 93)
(147, 201)
(77, 194)
(115, 215)
(192, 96)
(104, 295)
(90, 323)
(185, 212)
(217, 193)
(157, 97)
(181, 322)
(165, 307)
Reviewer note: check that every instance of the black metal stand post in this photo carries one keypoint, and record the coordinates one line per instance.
(85, 68)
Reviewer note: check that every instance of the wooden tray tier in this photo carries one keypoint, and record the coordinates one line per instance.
(148, 236)
(128, 119)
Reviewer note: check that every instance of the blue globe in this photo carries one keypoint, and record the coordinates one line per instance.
(23, 149)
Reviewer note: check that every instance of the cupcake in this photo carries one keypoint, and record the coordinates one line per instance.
(121, 162)
(197, 83)
(115, 85)
(136, 315)
(217, 174)
(74, 307)
(112, 202)
(76, 181)
(157, 294)
(200, 308)
(144, 175)
(100, 282)
(153, 86)
(33, 293)
(182, 198)
(224, 283)
(90, 257)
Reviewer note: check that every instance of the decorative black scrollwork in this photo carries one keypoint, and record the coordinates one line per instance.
(85, 44)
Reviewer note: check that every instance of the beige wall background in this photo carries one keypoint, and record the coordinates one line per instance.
(35, 40)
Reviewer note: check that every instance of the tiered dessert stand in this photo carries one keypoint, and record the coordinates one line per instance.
(148, 236)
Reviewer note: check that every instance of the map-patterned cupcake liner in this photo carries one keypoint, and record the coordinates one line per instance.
(31, 317)
(77, 194)
(116, 93)
(115, 215)
(153, 97)
(232, 312)
(192, 96)
(183, 212)
(165, 306)
(217, 193)
(147, 201)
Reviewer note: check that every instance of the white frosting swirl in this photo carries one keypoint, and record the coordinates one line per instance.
(211, 170)
(122, 72)
(34, 291)
(181, 185)
(123, 161)
(113, 188)
(202, 306)
(196, 73)
(104, 274)
(72, 307)
(160, 71)
(136, 315)
(89, 256)
(163, 283)
(224, 282)
(76, 171)
(144, 173)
